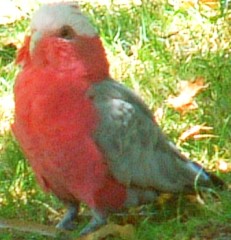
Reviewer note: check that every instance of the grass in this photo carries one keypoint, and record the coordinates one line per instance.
(151, 47)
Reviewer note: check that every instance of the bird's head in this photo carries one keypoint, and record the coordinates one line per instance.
(62, 37)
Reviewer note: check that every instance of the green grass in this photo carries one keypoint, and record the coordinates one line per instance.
(145, 57)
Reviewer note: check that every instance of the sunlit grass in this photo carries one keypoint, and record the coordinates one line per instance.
(147, 58)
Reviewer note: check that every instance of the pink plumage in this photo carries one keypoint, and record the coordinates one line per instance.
(87, 137)
(54, 121)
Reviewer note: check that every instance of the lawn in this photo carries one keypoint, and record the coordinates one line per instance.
(161, 50)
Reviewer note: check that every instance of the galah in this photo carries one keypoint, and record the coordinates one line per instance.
(87, 137)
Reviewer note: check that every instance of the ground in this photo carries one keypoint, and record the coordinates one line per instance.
(176, 55)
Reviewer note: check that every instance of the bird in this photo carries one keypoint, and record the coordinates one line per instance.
(88, 138)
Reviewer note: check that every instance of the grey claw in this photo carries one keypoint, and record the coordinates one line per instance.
(66, 222)
(96, 222)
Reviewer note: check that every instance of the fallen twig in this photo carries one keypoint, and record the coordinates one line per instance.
(24, 226)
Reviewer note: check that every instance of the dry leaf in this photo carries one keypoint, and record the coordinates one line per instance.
(159, 113)
(202, 136)
(164, 198)
(188, 90)
(210, 8)
(214, 4)
(194, 132)
(183, 4)
(224, 166)
(125, 232)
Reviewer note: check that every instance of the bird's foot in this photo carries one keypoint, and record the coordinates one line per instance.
(97, 221)
(66, 223)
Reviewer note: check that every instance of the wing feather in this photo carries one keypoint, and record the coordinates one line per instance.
(137, 152)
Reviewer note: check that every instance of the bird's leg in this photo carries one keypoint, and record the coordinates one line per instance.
(66, 222)
(97, 221)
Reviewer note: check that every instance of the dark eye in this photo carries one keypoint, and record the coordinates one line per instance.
(66, 32)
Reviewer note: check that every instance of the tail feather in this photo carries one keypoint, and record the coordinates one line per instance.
(199, 170)
(217, 181)
(204, 177)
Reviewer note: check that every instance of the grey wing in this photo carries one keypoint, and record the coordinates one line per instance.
(137, 152)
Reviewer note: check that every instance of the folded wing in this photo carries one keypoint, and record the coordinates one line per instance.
(137, 152)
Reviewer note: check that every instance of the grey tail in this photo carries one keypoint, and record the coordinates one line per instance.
(202, 177)
(206, 178)
(217, 181)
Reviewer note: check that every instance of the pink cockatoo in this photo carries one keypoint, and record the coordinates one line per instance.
(87, 137)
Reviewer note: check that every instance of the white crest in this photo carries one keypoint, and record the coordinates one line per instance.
(51, 17)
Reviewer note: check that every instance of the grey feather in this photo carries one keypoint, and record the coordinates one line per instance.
(138, 154)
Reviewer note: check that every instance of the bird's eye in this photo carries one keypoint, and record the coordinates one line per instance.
(66, 32)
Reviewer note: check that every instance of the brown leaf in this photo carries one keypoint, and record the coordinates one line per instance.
(202, 136)
(164, 198)
(124, 232)
(188, 90)
(159, 113)
(224, 166)
(183, 4)
(210, 8)
(214, 4)
(194, 132)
